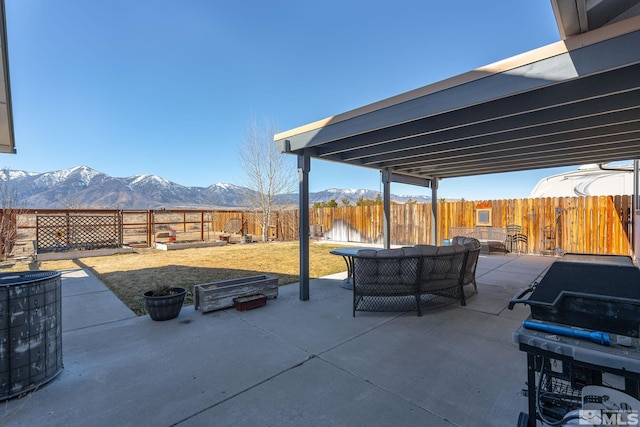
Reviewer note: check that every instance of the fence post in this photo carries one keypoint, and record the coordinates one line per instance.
(120, 221)
(150, 230)
(68, 228)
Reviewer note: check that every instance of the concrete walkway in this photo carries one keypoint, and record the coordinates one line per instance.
(290, 363)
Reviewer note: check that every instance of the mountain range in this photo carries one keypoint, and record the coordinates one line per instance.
(81, 187)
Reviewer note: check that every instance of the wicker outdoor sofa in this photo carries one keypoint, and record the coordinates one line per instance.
(406, 278)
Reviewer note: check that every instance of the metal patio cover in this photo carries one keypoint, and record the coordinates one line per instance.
(573, 102)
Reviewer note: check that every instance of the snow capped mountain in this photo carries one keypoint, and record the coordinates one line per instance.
(353, 195)
(344, 190)
(222, 186)
(8, 174)
(81, 176)
(81, 173)
(148, 179)
(83, 187)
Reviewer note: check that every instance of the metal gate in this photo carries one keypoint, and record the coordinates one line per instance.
(67, 232)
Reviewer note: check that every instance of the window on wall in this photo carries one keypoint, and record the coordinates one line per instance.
(483, 216)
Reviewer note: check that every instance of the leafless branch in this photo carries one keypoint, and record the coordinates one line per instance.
(268, 172)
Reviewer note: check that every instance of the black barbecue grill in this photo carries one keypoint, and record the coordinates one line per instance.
(594, 292)
(600, 292)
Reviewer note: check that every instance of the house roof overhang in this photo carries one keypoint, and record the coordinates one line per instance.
(580, 16)
(7, 143)
(572, 102)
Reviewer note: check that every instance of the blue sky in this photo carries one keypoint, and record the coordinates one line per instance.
(169, 88)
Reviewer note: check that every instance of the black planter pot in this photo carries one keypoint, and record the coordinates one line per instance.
(164, 307)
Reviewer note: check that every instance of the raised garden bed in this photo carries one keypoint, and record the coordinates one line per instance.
(216, 295)
(172, 246)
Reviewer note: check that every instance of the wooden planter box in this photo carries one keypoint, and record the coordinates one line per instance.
(216, 295)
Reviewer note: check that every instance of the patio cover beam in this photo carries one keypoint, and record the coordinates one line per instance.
(554, 104)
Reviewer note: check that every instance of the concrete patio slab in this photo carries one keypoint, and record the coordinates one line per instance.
(93, 303)
(139, 372)
(288, 363)
(492, 300)
(317, 393)
(448, 369)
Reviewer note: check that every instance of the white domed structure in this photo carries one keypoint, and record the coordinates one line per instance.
(588, 180)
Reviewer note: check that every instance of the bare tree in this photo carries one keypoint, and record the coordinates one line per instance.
(71, 201)
(9, 215)
(269, 174)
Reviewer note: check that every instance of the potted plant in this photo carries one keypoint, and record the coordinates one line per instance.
(164, 302)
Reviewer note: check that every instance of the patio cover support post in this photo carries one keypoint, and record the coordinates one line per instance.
(635, 219)
(304, 166)
(386, 207)
(434, 211)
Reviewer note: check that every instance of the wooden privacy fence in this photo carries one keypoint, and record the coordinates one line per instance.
(600, 225)
(597, 224)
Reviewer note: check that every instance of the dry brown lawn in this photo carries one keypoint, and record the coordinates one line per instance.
(130, 275)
